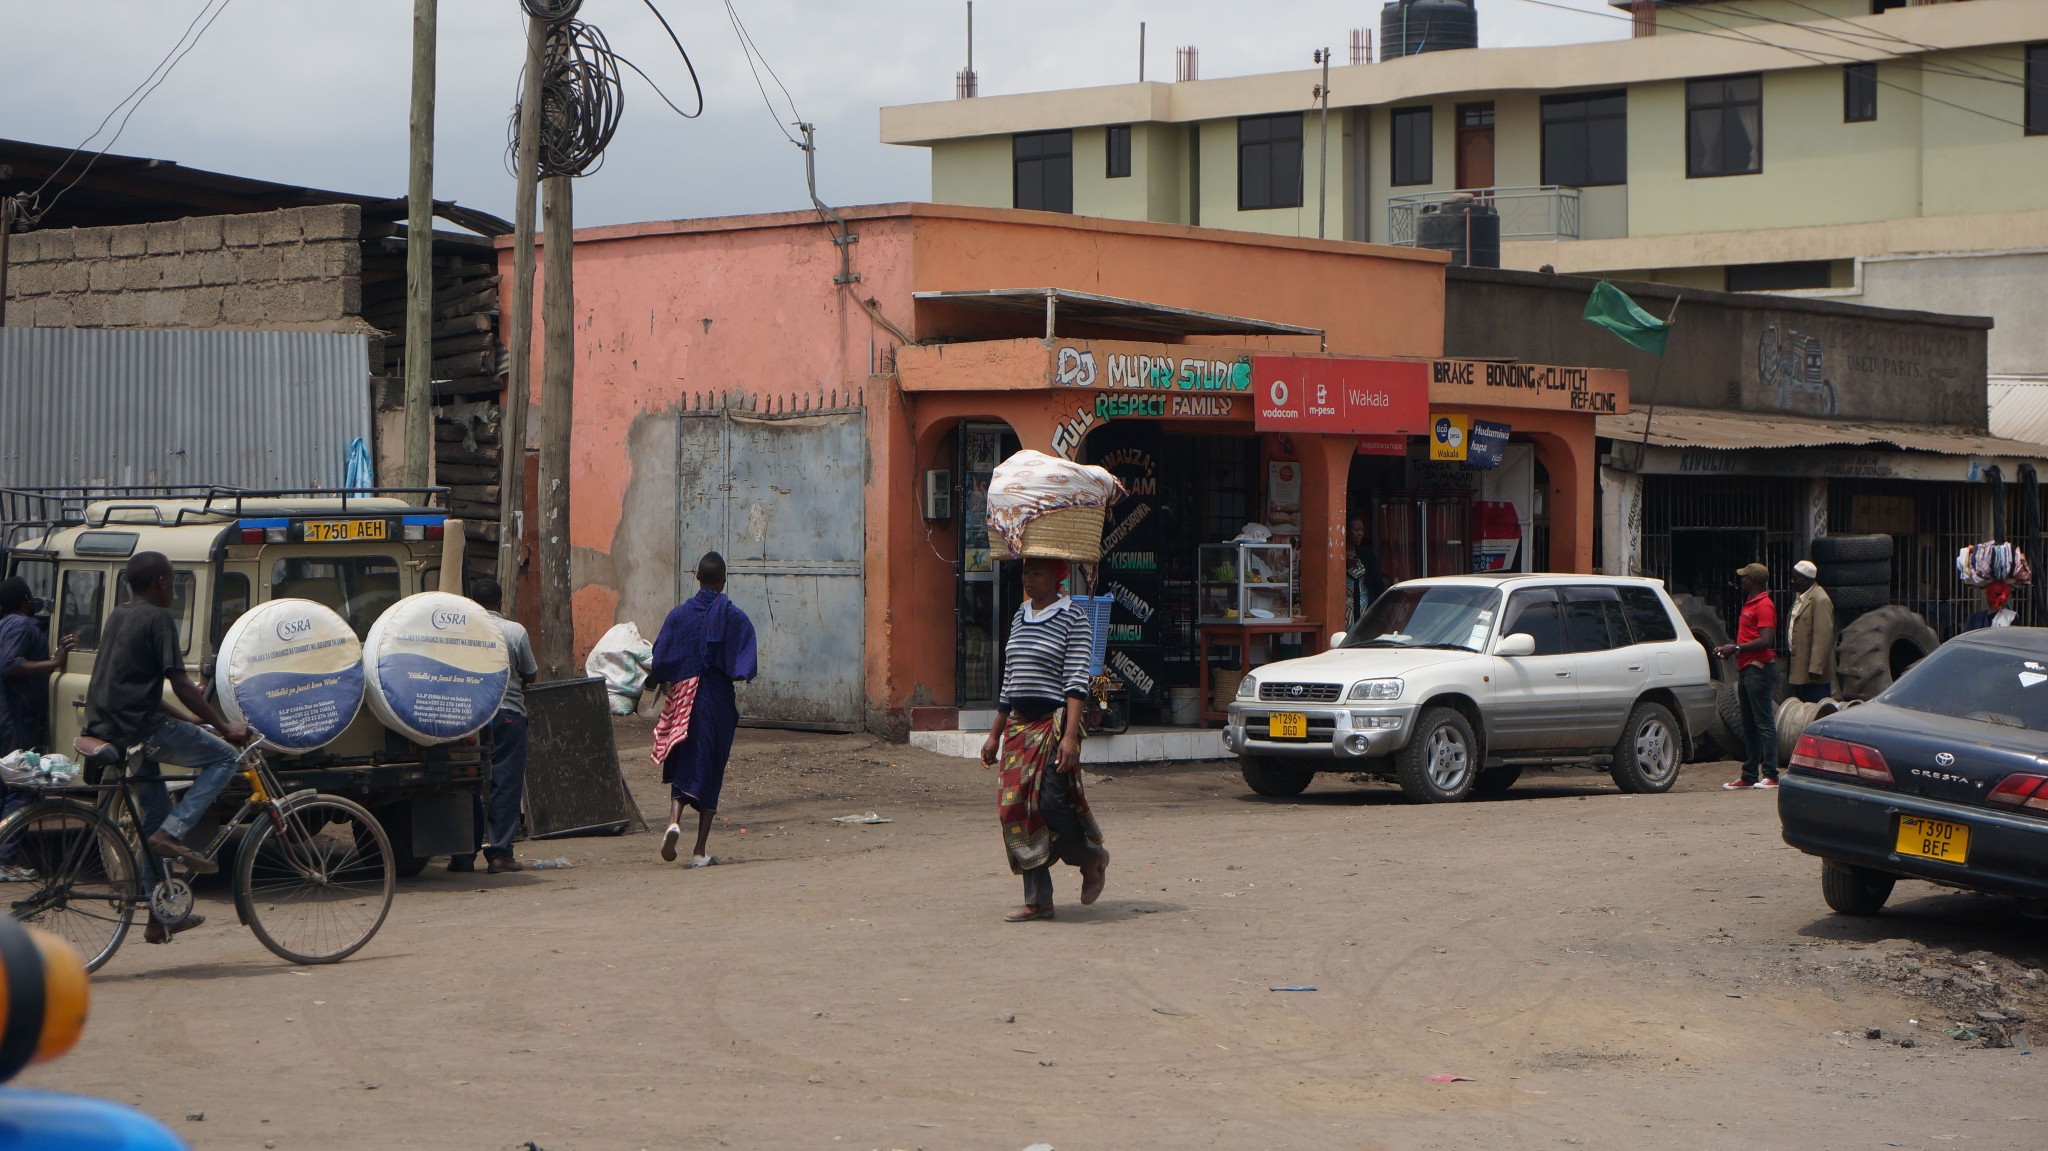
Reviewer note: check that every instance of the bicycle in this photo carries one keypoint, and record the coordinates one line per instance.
(313, 878)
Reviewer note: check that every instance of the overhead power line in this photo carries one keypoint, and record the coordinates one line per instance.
(753, 53)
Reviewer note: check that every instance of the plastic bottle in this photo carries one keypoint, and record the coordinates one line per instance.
(550, 864)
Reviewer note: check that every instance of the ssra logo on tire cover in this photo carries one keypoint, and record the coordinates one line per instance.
(436, 667)
(293, 670)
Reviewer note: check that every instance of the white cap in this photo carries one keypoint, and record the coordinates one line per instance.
(1806, 568)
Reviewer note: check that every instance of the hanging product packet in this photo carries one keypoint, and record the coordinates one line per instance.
(292, 670)
(436, 667)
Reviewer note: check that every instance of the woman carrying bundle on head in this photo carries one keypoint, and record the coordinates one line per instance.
(1036, 739)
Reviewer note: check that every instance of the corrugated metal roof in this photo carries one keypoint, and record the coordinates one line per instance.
(2019, 409)
(244, 409)
(1733, 431)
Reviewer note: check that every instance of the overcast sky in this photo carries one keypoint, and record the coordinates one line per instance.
(316, 92)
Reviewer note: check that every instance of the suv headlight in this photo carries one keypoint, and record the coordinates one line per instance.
(1376, 689)
(1248, 687)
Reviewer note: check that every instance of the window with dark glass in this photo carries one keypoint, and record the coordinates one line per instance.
(1535, 613)
(1411, 142)
(1880, 7)
(1724, 126)
(1648, 621)
(1790, 276)
(1859, 93)
(1585, 139)
(1117, 161)
(82, 605)
(2037, 89)
(1042, 171)
(1269, 162)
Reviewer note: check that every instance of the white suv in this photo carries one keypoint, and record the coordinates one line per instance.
(1457, 683)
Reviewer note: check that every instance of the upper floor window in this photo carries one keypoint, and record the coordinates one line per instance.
(1880, 7)
(1117, 151)
(1042, 171)
(1269, 162)
(1585, 139)
(1859, 93)
(2037, 89)
(1724, 126)
(1411, 141)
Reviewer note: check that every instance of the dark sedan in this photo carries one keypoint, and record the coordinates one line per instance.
(1943, 777)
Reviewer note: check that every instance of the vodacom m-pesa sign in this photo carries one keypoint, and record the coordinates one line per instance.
(1339, 396)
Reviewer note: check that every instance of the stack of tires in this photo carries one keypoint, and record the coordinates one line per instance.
(1879, 639)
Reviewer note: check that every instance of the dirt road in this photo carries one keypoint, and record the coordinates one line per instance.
(1607, 971)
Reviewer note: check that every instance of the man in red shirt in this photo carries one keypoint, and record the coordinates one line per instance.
(1756, 652)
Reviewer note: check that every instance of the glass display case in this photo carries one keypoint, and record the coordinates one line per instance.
(1246, 582)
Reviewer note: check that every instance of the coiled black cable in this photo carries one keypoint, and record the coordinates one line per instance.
(580, 99)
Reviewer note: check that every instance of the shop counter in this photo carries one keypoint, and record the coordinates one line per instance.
(1248, 637)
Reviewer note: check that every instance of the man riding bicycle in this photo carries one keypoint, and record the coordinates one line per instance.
(138, 651)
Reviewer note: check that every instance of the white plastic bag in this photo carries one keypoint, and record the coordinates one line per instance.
(620, 659)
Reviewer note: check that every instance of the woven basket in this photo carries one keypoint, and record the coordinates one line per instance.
(1223, 688)
(1067, 534)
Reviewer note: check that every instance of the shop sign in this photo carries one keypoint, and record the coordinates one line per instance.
(1383, 445)
(1086, 367)
(1594, 391)
(1447, 436)
(1339, 396)
(1486, 443)
(1115, 406)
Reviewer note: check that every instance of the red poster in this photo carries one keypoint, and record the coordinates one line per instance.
(1340, 396)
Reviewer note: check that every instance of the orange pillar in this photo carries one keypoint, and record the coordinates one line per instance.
(1325, 485)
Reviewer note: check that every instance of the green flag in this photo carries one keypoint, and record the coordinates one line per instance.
(1611, 308)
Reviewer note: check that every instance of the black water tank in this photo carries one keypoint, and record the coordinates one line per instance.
(1466, 228)
(1411, 26)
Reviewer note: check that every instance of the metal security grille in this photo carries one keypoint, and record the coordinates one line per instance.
(1697, 530)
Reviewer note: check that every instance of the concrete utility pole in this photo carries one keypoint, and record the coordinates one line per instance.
(512, 423)
(1323, 164)
(6, 230)
(419, 255)
(557, 415)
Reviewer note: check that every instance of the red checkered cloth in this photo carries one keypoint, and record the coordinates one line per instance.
(674, 725)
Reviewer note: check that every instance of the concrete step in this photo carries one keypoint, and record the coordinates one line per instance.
(1138, 745)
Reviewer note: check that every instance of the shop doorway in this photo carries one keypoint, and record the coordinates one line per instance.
(990, 585)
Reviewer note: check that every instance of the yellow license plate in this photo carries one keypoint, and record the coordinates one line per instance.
(341, 531)
(1287, 725)
(1933, 839)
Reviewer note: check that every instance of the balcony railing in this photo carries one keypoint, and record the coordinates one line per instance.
(1543, 212)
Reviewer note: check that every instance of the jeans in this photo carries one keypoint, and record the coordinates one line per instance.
(497, 819)
(1760, 721)
(1810, 692)
(1069, 844)
(181, 743)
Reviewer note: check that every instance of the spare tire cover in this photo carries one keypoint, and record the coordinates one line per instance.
(436, 667)
(292, 670)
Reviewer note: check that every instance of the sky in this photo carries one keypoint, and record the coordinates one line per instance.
(316, 93)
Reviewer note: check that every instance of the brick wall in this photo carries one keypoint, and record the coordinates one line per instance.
(293, 269)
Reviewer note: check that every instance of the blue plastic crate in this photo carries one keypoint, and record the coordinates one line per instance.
(1097, 607)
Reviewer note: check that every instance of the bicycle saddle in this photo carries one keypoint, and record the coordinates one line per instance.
(98, 752)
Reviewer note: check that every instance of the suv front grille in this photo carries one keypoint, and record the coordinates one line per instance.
(1299, 692)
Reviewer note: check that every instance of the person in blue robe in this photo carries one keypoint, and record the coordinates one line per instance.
(706, 645)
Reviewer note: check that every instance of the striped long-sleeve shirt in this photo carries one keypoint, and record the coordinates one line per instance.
(1047, 657)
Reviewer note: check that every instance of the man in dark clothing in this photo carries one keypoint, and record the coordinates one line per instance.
(1756, 652)
(500, 822)
(138, 651)
(26, 662)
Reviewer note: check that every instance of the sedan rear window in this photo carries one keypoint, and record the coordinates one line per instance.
(1986, 684)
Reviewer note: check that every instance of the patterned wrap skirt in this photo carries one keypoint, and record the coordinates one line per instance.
(1030, 750)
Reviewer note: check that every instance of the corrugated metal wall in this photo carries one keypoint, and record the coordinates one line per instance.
(245, 409)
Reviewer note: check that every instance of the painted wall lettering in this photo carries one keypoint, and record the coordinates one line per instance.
(1076, 368)
(1597, 391)
(1160, 373)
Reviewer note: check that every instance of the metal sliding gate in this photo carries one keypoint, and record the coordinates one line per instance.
(778, 487)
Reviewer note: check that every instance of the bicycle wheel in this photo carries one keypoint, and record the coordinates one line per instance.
(315, 881)
(82, 883)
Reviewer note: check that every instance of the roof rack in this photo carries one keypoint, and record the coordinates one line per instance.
(27, 512)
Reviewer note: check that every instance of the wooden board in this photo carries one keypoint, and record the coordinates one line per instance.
(573, 782)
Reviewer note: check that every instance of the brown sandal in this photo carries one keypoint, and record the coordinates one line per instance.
(1093, 879)
(1029, 912)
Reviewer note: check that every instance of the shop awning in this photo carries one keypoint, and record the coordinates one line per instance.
(1699, 428)
(1115, 312)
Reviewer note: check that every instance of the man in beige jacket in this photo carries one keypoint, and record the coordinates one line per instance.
(1810, 673)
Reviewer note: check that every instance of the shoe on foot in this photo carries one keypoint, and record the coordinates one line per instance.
(1768, 784)
(156, 932)
(10, 874)
(1029, 912)
(167, 846)
(702, 861)
(669, 839)
(1738, 785)
(461, 863)
(501, 864)
(1092, 881)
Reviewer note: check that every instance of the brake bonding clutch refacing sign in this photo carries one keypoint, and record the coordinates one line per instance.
(292, 670)
(437, 667)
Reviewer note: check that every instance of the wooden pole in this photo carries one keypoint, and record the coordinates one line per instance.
(419, 255)
(512, 434)
(557, 414)
(6, 230)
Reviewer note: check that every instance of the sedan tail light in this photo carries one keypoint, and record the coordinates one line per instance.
(2021, 789)
(1839, 757)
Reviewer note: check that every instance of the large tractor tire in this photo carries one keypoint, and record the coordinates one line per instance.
(1877, 648)
(1722, 738)
(1831, 550)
